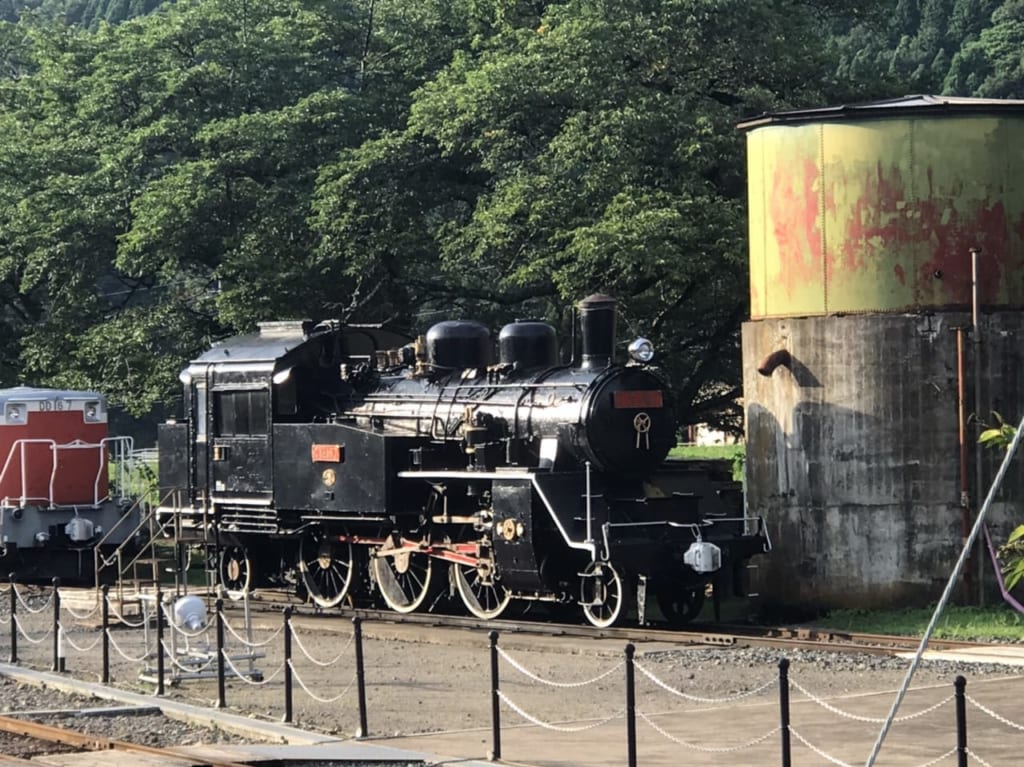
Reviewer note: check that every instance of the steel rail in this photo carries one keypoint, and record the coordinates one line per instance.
(51, 734)
(696, 634)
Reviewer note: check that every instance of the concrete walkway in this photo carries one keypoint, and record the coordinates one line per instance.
(840, 730)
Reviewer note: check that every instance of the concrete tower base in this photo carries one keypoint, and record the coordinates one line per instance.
(853, 451)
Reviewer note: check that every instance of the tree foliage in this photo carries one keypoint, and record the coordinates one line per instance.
(590, 146)
(955, 47)
(84, 13)
(173, 172)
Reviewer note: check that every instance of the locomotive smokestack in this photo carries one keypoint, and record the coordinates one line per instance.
(597, 325)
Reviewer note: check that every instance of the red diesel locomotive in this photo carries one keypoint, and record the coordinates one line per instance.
(58, 502)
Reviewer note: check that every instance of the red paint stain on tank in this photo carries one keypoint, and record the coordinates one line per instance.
(878, 220)
(1018, 229)
(955, 226)
(886, 226)
(794, 212)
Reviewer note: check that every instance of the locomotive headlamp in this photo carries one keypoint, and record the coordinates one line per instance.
(641, 350)
(92, 412)
(15, 413)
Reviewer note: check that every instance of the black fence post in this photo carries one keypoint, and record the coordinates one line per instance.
(220, 654)
(630, 707)
(784, 711)
(960, 693)
(105, 612)
(495, 700)
(288, 665)
(357, 636)
(159, 642)
(58, 647)
(14, 620)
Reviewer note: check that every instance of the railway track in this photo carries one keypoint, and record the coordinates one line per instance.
(27, 740)
(697, 634)
(267, 602)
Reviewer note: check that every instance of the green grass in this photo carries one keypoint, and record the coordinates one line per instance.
(998, 622)
(142, 481)
(734, 453)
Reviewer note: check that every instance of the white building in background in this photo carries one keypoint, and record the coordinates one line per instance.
(702, 434)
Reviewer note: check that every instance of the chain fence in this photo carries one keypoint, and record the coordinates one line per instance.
(209, 646)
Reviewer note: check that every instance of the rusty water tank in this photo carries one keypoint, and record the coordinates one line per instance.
(862, 223)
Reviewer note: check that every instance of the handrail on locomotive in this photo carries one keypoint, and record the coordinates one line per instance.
(122, 462)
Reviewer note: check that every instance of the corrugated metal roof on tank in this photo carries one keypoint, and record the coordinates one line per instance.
(876, 207)
(904, 105)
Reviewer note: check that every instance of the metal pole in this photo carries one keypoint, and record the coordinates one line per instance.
(976, 333)
(959, 686)
(159, 643)
(630, 708)
(58, 646)
(958, 568)
(248, 634)
(784, 711)
(590, 520)
(220, 654)
(495, 700)
(14, 621)
(106, 633)
(357, 632)
(965, 484)
(288, 664)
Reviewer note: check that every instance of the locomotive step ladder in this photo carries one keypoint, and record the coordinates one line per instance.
(157, 551)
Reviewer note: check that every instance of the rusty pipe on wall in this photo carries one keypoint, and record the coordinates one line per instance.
(976, 331)
(965, 497)
(779, 357)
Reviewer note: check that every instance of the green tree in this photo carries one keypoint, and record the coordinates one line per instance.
(158, 174)
(1011, 553)
(991, 66)
(591, 147)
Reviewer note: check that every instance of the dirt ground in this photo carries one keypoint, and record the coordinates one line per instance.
(430, 679)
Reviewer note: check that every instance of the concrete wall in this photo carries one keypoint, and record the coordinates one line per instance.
(852, 451)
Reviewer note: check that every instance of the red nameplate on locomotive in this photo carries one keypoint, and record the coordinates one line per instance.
(638, 399)
(328, 453)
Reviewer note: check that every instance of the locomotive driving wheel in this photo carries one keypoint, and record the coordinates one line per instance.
(325, 563)
(603, 594)
(680, 605)
(480, 590)
(403, 576)
(235, 571)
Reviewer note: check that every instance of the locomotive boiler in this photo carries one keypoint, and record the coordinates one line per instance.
(362, 466)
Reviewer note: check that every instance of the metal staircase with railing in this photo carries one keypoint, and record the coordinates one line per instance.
(155, 550)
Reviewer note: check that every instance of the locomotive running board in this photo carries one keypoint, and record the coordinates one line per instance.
(455, 474)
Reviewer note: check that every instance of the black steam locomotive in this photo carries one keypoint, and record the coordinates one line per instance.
(358, 465)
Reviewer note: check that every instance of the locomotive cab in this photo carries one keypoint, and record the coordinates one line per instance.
(247, 394)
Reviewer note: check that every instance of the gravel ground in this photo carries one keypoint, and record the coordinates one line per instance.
(60, 709)
(428, 679)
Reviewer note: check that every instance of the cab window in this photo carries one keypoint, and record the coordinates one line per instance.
(240, 413)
